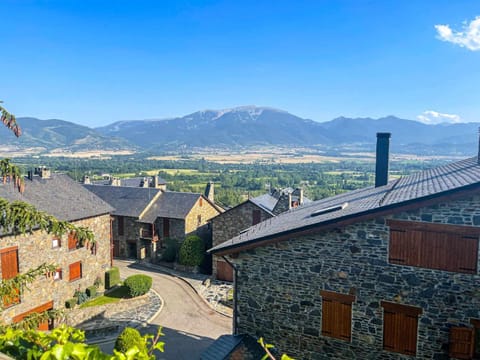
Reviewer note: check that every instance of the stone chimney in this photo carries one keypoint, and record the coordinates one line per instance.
(114, 181)
(381, 165)
(154, 182)
(299, 192)
(144, 182)
(210, 191)
(44, 173)
(86, 180)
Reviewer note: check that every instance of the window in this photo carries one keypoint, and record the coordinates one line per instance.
(256, 217)
(337, 315)
(75, 271)
(400, 324)
(9, 265)
(166, 227)
(57, 275)
(434, 246)
(199, 220)
(72, 241)
(462, 342)
(120, 225)
(44, 326)
(56, 243)
(200, 202)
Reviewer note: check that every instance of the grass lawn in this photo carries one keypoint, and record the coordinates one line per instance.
(112, 297)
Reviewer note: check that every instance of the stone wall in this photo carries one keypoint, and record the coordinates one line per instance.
(206, 211)
(279, 289)
(36, 249)
(231, 222)
(131, 233)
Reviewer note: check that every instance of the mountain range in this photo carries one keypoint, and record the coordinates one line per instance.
(245, 127)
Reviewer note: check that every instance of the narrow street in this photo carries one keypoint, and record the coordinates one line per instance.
(189, 324)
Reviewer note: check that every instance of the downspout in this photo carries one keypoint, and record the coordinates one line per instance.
(111, 241)
(235, 300)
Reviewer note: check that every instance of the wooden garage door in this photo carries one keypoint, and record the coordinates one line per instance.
(224, 271)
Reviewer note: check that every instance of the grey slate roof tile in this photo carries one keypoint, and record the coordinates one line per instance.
(59, 196)
(127, 201)
(432, 182)
(171, 204)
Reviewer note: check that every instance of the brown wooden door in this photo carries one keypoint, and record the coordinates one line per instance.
(224, 271)
(461, 342)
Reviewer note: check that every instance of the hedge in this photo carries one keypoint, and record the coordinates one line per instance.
(70, 303)
(112, 277)
(129, 338)
(192, 251)
(91, 291)
(138, 284)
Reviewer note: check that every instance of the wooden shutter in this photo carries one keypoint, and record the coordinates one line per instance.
(337, 315)
(256, 216)
(166, 227)
(72, 241)
(461, 342)
(400, 326)
(75, 270)
(9, 259)
(44, 326)
(120, 225)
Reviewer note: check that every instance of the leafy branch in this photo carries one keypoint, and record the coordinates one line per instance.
(10, 121)
(268, 354)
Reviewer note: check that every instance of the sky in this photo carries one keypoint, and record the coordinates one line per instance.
(97, 62)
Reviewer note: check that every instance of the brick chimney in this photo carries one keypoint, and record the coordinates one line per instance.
(381, 166)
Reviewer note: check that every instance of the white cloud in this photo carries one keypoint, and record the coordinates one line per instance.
(468, 37)
(434, 117)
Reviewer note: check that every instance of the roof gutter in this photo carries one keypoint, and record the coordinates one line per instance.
(346, 220)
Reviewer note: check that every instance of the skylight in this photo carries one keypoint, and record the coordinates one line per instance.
(329, 209)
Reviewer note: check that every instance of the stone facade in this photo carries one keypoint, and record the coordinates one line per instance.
(37, 248)
(230, 223)
(199, 215)
(279, 288)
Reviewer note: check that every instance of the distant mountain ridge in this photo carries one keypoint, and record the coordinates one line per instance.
(244, 127)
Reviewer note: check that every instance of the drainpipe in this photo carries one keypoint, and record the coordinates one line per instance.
(111, 241)
(235, 300)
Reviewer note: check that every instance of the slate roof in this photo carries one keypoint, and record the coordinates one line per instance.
(265, 201)
(127, 201)
(171, 204)
(426, 184)
(224, 346)
(59, 196)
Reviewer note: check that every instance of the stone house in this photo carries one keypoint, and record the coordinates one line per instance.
(385, 272)
(144, 217)
(78, 267)
(252, 211)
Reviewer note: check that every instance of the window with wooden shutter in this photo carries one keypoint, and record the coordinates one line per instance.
(44, 326)
(462, 342)
(120, 225)
(400, 326)
(72, 241)
(337, 315)
(256, 216)
(434, 246)
(75, 271)
(9, 265)
(166, 227)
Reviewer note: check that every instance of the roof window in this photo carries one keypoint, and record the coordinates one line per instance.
(329, 209)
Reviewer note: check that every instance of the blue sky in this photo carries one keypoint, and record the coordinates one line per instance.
(96, 62)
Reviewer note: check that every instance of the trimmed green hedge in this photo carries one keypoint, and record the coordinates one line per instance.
(70, 303)
(138, 284)
(112, 277)
(91, 291)
(171, 250)
(129, 338)
(192, 251)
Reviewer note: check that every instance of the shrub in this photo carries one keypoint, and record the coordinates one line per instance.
(98, 282)
(129, 338)
(81, 296)
(70, 303)
(138, 284)
(91, 291)
(112, 277)
(192, 251)
(171, 249)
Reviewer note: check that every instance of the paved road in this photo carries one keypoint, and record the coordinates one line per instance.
(189, 324)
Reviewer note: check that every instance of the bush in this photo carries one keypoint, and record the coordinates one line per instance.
(70, 303)
(138, 284)
(192, 251)
(128, 338)
(91, 291)
(112, 277)
(81, 296)
(170, 252)
(98, 282)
